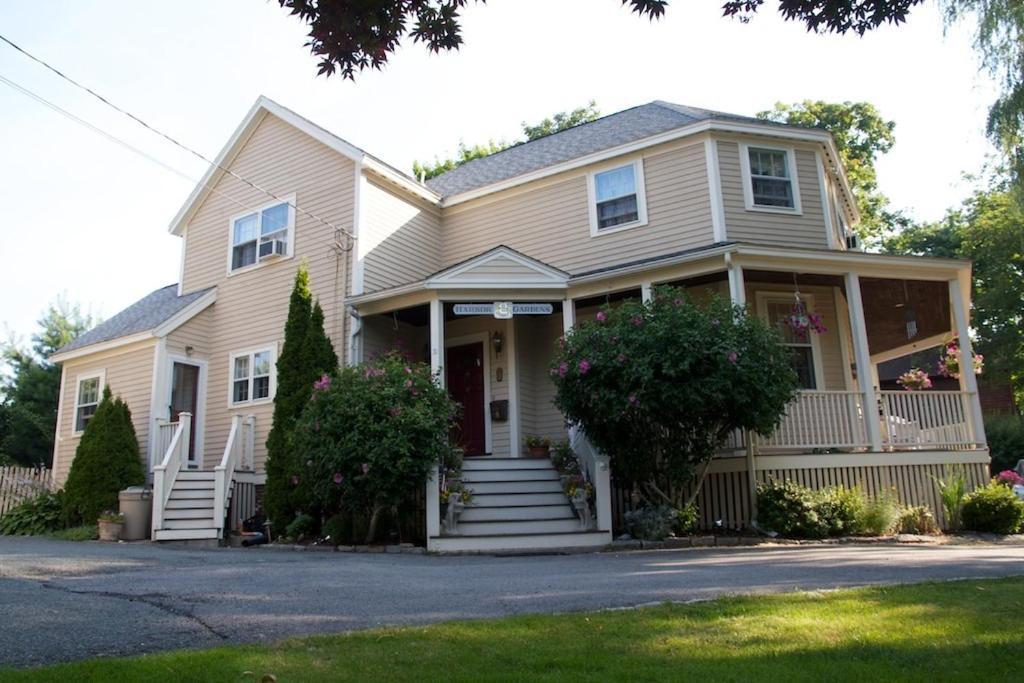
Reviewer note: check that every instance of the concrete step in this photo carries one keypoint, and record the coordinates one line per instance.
(517, 499)
(181, 494)
(184, 534)
(195, 475)
(518, 526)
(509, 475)
(193, 484)
(489, 514)
(517, 543)
(176, 524)
(526, 486)
(189, 513)
(488, 463)
(188, 503)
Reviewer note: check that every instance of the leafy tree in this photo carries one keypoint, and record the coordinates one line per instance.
(861, 135)
(661, 416)
(306, 354)
(554, 124)
(370, 436)
(106, 461)
(30, 393)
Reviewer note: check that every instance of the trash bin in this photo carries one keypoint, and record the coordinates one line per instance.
(136, 504)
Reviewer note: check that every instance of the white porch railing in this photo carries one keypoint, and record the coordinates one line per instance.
(237, 456)
(166, 473)
(922, 419)
(821, 419)
(164, 433)
(596, 470)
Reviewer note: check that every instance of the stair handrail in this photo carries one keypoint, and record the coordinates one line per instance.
(224, 473)
(597, 471)
(166, 473)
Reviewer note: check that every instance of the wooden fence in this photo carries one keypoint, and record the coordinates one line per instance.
(18, 484)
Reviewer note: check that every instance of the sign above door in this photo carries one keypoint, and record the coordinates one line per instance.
(503, 310)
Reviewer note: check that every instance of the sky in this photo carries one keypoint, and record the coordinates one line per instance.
(87, 219)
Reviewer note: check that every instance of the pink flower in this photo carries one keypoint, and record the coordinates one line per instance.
(677, 302)
(733, 356)
(322, 384)
(621, 358)
(408, 370)
(316, 426)
(637, 320)
(563, 369)
(366, 467)
(584, 367)
(395, 411)
(408, 384)
(1010, 478)
(415, 392)
(338, 478)
(295, 480)
(633, 400)
(601, 316)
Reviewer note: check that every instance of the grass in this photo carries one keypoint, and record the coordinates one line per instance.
(87, 532)
(967, 630)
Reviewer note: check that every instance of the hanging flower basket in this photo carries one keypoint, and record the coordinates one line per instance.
(801, 320)
(949, 361)
(915, 380)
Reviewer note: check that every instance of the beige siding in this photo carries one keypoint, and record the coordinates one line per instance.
(252, 305)
(400, 239)
(195, 333)
(549, 221)
(537, 338)
(743, 225)
(129, 374)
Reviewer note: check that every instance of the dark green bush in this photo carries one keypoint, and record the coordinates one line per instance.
(789, 509)
(839, 510)
(302, 527)
(993, 509)
(1005, 436)
(38, 515)
(106, 461)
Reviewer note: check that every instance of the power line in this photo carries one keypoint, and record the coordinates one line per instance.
(173, 141)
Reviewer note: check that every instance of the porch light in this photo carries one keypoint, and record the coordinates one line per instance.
(497, 341)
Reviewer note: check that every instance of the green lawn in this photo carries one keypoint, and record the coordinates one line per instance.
(969, 630)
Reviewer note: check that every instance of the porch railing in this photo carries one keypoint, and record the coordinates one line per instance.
(922, 419)
(164, 433)
(821, 419)
(166, 473)
(237, 456)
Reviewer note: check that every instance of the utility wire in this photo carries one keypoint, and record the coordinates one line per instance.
(173, 141)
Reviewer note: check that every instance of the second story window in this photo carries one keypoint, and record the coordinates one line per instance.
(617, 198)
(261, 235)
(769, 180)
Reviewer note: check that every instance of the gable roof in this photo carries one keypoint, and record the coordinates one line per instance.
(500, 268)
(604, 133)
(146, 315)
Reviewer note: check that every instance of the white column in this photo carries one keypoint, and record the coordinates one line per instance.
(737, 290)
(568, 315)
(437, 340)
(645, 290)
(968, 382)
(862, 357)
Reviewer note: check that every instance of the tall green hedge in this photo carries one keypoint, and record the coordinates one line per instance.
(106, 461)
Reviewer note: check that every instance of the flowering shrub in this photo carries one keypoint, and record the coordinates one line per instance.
(1010, 478)
(802, 321)
(370, 436)
(915, 379)
(949, 361)
(658, 386)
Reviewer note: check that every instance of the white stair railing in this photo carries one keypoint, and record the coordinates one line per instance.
(166, 473)
(224, 473)
(918, 419)
(597, 472)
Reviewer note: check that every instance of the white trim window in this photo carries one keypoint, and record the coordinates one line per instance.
(617, 198)
(261, 235)
(769, 179)
(806, 354)
(252, 376)
(88, 394)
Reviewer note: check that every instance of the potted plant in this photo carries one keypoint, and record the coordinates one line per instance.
(538, 446)
(915, 380)
(110, 524)
(454, 498)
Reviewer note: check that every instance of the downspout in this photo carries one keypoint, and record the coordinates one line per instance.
(354, 336)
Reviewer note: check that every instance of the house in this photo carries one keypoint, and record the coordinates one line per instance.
(480, 270)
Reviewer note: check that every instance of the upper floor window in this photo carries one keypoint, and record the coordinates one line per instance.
(252, 376)
(617, 198)
(261, 235)
(804, 350)
(87, 399)
(769, 179)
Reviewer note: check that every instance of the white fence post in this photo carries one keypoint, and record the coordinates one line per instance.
(603, 492)
(433, 507)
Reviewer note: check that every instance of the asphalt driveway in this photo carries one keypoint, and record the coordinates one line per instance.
(62, 601)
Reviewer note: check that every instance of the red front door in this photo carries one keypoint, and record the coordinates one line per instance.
(464, 376)
(185, 399)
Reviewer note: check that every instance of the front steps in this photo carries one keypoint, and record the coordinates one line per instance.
(518, 506)
(188, 515)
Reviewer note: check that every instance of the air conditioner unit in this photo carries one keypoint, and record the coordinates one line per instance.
(853, 242)
(273, 248)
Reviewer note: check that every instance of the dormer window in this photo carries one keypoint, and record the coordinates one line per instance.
(769, 179)
(261, 235)
(617, 198)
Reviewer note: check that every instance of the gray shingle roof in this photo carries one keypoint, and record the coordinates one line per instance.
(609, 131)
(144, 315)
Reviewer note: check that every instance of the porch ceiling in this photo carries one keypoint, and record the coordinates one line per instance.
(886, 306)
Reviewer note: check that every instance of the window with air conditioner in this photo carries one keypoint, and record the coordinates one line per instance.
(262, 235)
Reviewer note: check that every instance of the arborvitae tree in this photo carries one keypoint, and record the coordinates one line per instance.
(307, 354)
(106, 461)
